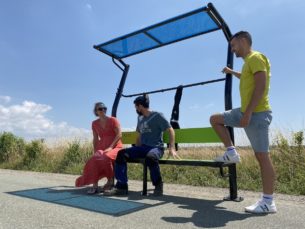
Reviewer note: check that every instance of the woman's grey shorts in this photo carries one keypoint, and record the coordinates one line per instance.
(258, 129)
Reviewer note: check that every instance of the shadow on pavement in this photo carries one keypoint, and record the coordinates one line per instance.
(206, 213)
(78, 198)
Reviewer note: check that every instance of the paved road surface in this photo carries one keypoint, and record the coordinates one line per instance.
(44, 200)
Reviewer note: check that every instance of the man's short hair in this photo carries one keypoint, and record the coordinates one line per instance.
(243, 34)
(142, 100)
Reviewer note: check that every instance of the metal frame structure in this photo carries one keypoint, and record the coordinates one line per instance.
(117, 60)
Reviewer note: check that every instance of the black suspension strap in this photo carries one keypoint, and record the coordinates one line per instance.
(174, 121)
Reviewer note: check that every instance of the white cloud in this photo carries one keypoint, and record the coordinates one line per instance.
(128, 129)
(28, 120)
(4, 99)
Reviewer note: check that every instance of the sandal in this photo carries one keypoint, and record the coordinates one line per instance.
(93, 190)
(107, 186)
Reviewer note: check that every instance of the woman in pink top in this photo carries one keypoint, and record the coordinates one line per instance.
(106, 142)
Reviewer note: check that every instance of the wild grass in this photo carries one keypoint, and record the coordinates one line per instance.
(288, 157)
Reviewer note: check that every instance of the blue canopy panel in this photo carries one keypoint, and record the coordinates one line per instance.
(179, 28)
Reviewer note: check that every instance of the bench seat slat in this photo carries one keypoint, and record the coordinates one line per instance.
(186, 135)
(190, 162)
(209, 163)
(194, 135)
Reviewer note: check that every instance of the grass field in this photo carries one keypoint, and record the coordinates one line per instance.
(69, 157)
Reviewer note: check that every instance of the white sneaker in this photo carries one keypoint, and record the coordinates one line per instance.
(226, 158)
(260, 207)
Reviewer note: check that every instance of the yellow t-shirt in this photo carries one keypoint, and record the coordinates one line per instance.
(254, 62)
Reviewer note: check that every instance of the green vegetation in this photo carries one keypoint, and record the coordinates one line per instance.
(10, 147)
(69, 157)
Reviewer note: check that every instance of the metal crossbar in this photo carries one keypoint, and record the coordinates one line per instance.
(174, 88)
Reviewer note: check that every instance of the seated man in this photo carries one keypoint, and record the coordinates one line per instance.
(149, 145)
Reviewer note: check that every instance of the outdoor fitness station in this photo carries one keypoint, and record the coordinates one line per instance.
(198, 22)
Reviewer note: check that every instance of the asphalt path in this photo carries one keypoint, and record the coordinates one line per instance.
(53, 202)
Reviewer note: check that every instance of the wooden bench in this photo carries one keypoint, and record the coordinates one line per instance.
(190, 135)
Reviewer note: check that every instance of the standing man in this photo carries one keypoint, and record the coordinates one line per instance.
(254, 116)
(149, 145)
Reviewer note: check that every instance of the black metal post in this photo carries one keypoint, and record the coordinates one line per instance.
(228, 88)
(219, 19)
(144, 191)
(121, 87)
(228, 106)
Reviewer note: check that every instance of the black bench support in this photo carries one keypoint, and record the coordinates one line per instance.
(231, 173)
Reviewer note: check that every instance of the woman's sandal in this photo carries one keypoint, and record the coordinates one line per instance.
(107, 186)
(93, 190)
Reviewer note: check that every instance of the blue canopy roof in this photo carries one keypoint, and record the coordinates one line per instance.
(179, 28)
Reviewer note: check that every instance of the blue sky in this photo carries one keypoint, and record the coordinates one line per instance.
(50, 75)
